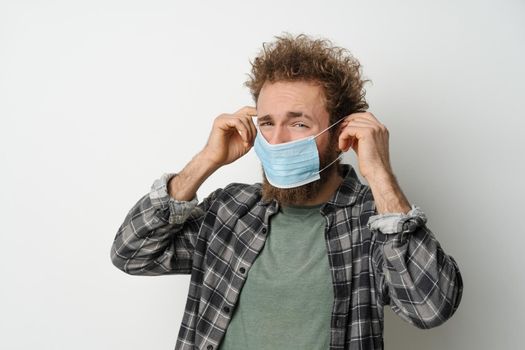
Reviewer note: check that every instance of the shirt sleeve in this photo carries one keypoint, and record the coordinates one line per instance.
(178, 211)
(392, 223)
(422, 284)
(159, 233)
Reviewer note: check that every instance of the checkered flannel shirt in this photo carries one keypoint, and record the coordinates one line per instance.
(375, 260)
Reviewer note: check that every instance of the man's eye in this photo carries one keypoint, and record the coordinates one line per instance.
(265, 123)
(300, 125)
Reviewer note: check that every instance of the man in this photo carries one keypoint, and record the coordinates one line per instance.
(308, 258)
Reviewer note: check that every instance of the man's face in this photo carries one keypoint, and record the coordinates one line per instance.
(288, 111)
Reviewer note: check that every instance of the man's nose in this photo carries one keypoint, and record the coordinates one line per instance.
(278, 135)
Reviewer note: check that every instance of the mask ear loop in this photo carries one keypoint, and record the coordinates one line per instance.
(332, 162)
(342, 153)
(331, 126)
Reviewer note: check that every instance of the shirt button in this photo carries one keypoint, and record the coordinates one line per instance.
(264, 231)
(209, 347)
(226, 309)
(338, 323)
(242, 270)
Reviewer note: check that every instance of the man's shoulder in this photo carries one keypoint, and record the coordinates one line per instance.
(352, 191)
(241, 192)
(236, 187)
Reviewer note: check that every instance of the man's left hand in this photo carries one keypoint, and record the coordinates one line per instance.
(369, 139)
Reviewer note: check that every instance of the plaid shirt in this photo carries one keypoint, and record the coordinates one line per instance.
(375, 260)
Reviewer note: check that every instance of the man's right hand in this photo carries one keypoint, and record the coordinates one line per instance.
(231, 137)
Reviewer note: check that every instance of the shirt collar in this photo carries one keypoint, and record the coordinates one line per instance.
(346, 193)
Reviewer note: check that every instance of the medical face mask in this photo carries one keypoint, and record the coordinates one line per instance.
(290, 164)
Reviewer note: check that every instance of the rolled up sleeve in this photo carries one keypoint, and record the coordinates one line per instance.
(422, 284)
(158, 234)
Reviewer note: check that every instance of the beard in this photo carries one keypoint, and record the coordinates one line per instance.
(301, 194)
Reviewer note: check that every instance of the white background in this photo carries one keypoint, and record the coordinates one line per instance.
(99, 98)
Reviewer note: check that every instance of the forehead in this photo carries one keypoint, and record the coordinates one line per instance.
(280, 97)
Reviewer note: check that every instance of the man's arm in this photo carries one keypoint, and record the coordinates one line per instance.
(369, 139)
(231, 137)
(414, 275)
(158, 235)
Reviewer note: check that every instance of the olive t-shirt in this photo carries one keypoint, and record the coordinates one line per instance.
(287, 298)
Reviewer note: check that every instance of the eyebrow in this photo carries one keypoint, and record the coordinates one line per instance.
(289, 115)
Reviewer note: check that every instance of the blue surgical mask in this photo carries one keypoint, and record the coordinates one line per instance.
(290, 164)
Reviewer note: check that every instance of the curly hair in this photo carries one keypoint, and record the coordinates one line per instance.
(303, 58)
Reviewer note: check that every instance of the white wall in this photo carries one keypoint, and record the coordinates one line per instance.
(99, 98)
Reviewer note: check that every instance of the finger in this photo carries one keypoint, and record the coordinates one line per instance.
(347, 120)
(247, 133)
(346, 139)
(253, 129)
(366, 118)
(367, 115)
(362, 124)
(370, 125)
(370, 116)
(247, 113)
(353, 116)
(346, 143)
(236, 124)
(252, 126)
(361, 116)
(350, 136)
(247, 110)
